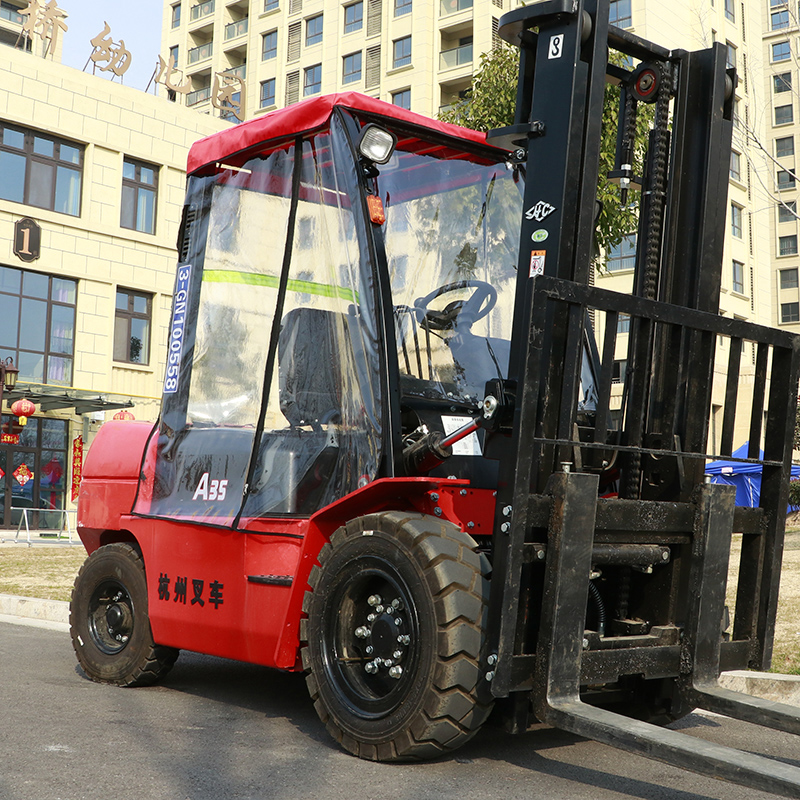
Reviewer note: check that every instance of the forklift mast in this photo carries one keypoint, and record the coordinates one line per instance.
(558, 545)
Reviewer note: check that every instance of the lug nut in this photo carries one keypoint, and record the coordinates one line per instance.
(396, 673)
(492, 660)
(507, 511)
(398, 621)
(362, 632)
(369, 649)
(387, 662)
(370, 667)
(397, 604)
(379, 609)
(371, 617)
(373, 599)
(404, 639)
(397, 654)
(490, 676)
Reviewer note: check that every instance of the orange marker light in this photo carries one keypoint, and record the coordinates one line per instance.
(376, 212)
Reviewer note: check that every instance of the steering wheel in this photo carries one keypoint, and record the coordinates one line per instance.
(483, 300)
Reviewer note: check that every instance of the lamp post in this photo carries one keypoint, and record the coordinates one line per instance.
(8, 376)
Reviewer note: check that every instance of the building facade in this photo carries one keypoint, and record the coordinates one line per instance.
(92, 187)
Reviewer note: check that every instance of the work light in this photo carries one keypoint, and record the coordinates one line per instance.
(376, 144)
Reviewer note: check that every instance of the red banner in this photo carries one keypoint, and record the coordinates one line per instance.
(77, 466)
(9, 438)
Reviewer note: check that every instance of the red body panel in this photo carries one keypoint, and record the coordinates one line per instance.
(239, 593)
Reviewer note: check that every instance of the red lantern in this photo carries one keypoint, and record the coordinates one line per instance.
(23, 408)
(123, 415)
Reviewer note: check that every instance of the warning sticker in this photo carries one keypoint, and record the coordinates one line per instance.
(537, 263)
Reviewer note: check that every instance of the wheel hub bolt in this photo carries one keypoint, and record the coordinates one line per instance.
(371, 617)
(371, 667)
(396, 673)
(373, 599)
(397, 604)
(398, 622)
(387, 662)
(397, 654)
(362, 632)
(404, 639)
(379, 609)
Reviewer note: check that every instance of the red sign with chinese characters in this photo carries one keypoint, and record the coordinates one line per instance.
(23, 474)
(77, 466)
(9, 438)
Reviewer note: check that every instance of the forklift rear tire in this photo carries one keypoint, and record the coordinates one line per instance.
(109, 623)
(395, 629)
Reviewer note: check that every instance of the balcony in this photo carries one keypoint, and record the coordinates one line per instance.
(238, 72)
(201, 10)
(456, 57)
(236, 29)
(200, 53)
(447, 7)
(199, 96)
(9, 12)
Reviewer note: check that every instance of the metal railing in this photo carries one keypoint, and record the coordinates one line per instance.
(65, 525)
(201, 10)
(456, 57)
(200, 53)
(238, 72)
(198, 96)
(10, 13)
(235, 29)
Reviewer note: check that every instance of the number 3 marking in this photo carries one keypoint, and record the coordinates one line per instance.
(556, 46)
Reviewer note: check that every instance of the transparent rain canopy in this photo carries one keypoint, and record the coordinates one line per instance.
(273, 407)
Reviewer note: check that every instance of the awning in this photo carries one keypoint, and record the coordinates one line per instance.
(53, 398)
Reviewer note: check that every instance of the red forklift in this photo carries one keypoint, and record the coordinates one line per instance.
(393, 452)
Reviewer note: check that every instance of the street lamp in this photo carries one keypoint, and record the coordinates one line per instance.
(8, 376)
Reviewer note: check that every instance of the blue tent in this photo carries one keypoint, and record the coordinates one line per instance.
(745, 477)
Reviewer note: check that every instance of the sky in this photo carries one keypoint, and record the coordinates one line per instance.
(136, 22)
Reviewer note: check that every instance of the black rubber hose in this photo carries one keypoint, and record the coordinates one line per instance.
(594, 594)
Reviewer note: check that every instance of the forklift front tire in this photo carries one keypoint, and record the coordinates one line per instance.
(396, 619)
(109, 623)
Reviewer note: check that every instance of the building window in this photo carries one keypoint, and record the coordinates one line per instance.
(40, 170)
(620, 13)
(736, 220)
(624, 323)
(784, 147)
(787, 212)
(267, 93)
(353, 17)
(782, 83)
(402, 7)
(787, 245)
(623, 255)
(729, 13)
(173, 54)
(271, 5)
(783, 115)
(618, 371)
(314, 30)
(351, 68)
(779, 20)
(401, 53)
(730, 57)
(269, 45)
(788, 278)
(736, 166)
(139, 188)
(781, 51)
(785, 180)
(737, 277)
(37, 324)
(132, 327)
(790, 312)
(402, 99)
(312, 80)
(176, 15)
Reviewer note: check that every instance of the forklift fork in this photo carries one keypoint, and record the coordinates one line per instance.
(556, 694)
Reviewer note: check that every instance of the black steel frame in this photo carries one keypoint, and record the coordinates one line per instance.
(551, 529)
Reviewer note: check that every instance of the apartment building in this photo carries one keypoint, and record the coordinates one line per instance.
(419, 54)
(92, 178)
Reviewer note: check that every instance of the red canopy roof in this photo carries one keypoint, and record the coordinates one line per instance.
(308, 116)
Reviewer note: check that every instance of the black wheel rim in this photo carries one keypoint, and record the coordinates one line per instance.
(111, 617)
(370, 647)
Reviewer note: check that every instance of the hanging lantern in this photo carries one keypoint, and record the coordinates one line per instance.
(23, 408)
(123, 415)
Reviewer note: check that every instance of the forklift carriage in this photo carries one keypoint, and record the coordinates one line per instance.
(393, 450)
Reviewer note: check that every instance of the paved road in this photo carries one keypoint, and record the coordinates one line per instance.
(221, 730)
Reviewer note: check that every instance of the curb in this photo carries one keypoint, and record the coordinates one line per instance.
(34, 609)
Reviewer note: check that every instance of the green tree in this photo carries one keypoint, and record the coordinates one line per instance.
(491, 104)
